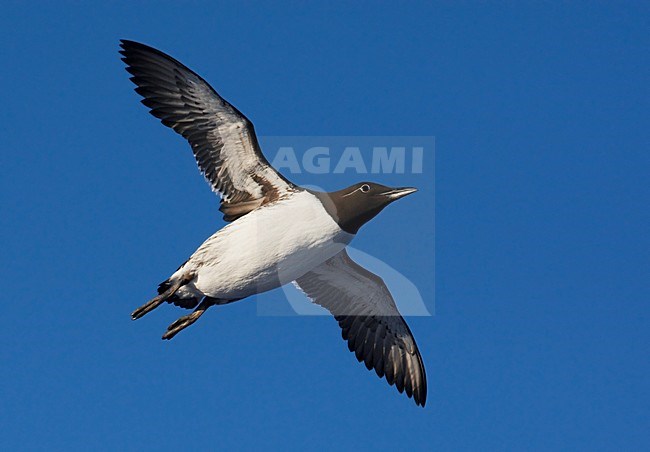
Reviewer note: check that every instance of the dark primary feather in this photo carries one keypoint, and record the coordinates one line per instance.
(222, 139)
(369, 321)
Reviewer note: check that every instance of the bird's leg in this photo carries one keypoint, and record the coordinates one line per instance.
(157, 301)
(187, 320)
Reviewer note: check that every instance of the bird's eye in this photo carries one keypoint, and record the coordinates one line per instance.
(365, 188)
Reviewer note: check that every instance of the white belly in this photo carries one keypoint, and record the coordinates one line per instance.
(265, 249)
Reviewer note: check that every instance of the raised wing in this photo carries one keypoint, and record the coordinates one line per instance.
(370, 322)
(222, 139)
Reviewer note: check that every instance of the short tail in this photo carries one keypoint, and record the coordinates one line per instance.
(167, 292)
(187, 301)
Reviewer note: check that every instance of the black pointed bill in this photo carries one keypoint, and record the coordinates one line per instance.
(397, 193)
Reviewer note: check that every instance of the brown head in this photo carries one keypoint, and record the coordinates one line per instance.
(354, 206)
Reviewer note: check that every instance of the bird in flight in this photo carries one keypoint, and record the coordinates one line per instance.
(277, 232)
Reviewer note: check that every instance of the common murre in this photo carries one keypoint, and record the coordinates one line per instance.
(278, 232)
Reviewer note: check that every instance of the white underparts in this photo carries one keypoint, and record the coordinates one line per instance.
(269, 247)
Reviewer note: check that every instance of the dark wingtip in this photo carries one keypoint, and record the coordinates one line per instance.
(124, 43)
(128, 46)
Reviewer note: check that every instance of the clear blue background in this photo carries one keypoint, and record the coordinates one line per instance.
(540, 338)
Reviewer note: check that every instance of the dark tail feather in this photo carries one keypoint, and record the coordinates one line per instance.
(186, 303)
(166, 291)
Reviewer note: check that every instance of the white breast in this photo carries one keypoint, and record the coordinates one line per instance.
(267, 248)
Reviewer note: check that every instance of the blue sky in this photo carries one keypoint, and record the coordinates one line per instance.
(540, 333)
